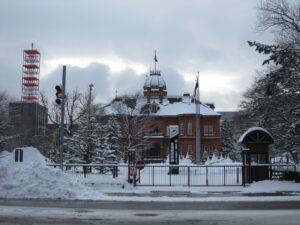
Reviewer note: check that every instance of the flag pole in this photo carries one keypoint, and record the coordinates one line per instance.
(155, 60)
(197, 102)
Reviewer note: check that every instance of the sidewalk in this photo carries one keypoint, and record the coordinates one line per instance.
(187, 194)
(260, 191)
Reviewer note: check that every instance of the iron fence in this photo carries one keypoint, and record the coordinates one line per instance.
(162, 175)
(183, 175)
(157, 175)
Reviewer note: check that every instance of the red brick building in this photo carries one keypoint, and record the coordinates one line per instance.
(163, 111)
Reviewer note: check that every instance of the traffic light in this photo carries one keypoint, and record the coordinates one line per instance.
(59, 95)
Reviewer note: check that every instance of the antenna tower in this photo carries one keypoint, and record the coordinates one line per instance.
(30, 75)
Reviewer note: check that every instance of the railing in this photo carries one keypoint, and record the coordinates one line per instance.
(157, 175)
(84, 170)
(162, 175)
(282, 171)
(271, 171)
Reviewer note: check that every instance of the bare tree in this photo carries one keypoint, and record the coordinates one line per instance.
(134, 122)
(280, 17)
(75, 103)
(76, 107)
(53, 110)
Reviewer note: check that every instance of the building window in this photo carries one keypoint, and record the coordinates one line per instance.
(181, 129)
(153, 129)
(208, 130)
(189, 128)
(190, 149)
(258, 158)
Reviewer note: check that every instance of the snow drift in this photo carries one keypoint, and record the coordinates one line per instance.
(34, 179)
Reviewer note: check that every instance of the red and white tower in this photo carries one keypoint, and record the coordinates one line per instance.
(31, 73)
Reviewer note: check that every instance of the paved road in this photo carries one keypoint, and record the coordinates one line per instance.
(88, 204)
(49, 212)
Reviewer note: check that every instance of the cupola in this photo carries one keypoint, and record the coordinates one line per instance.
(155, 86)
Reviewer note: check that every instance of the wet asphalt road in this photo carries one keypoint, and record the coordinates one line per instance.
(89, 204)
(58, 212)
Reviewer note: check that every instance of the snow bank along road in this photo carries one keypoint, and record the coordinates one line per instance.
(33, 212)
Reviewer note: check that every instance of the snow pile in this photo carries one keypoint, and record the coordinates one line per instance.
(215, 160)
(32, 178)
(186, 160)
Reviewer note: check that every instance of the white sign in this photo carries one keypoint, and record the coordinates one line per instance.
(173, 130)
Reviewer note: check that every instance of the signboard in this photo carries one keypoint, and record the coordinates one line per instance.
(173, 131)
(132, 171)
(173, 149)
(18, 155)
(140, 165)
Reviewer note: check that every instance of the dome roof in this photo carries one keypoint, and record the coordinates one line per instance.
(155, 81)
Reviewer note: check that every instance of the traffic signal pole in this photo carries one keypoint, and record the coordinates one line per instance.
(62, 116)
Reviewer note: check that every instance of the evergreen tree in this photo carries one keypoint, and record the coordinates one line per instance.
(113, 133)
(227, 140)
(84, 145)
(274, 97)
(94, 141)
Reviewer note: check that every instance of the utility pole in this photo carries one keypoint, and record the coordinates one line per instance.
(62, 116)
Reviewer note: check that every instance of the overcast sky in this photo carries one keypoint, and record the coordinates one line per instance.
(111, 44)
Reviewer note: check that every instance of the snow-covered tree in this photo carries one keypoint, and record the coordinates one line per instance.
(4, 120)
(113, 133)
(228, 143)
(95, 140)
(274, 97)
(83, 145)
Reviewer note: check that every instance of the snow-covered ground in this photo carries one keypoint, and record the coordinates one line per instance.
(32, 178)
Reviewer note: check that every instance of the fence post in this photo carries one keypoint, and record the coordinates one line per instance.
(152, 175)
(189, 176)
(206, 175)
(237, 175)
(224, 176)
(171, 175)
(84, 171)
(114, 171)
(139, 176)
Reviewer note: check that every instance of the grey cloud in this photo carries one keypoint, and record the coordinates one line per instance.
(78, 78)
(189, 36)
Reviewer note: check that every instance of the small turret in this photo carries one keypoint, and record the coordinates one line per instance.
(155, 86)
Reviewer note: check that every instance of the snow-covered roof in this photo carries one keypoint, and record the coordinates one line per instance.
(170, 106)
(253, 129)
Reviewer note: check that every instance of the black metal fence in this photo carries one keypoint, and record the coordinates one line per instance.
(162, 175)
(184, 175)
(157, 175)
